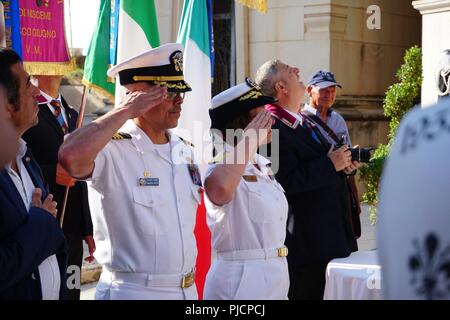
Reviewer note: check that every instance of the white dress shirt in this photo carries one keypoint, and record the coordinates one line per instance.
(48, 269)
(336, 123)
(52, 109)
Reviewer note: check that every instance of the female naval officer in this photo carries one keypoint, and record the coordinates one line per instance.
(247, 208)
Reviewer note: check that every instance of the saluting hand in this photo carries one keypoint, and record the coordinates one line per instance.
(260, 127)
(140, 101)
(48, 205)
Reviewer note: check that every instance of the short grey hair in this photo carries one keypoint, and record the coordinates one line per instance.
(267, 75)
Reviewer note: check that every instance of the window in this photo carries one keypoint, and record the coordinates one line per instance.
(224, 46)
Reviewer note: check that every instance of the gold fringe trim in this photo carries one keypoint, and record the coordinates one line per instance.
(102, 91)
(50, 68)
(259, 5)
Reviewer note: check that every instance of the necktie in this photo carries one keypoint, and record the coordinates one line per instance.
(59, 117)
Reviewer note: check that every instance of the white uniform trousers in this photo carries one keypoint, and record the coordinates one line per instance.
(122, 286)
(259, 279)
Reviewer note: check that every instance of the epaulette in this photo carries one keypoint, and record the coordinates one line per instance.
(121, 136)
(190, 144)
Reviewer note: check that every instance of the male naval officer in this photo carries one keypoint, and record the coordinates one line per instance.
(145, 180)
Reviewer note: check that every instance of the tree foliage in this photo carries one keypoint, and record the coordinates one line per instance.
(400, 98)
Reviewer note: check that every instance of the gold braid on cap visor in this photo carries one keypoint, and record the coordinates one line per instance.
(158, 78)
(253, 94)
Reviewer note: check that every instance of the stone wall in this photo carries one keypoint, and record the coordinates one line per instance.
(366, 60)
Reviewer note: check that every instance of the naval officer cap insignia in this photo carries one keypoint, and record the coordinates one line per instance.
(159, 66)
(235, 101)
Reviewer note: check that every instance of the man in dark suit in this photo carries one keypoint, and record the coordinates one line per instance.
(313, 177)
(33, 250)
(57, 118)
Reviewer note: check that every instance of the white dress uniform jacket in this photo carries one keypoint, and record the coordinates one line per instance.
(144, 206)
(246, 235)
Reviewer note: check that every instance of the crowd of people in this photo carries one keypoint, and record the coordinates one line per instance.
(273, 230)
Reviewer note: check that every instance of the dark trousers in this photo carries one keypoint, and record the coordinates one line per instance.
(307, 282)
(75, 244)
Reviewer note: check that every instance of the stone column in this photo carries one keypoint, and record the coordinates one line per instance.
(435, 39)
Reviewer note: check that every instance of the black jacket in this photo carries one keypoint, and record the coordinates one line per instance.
(44, 140)
(318, 227)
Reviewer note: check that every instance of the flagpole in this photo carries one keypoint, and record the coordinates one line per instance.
(79, 124)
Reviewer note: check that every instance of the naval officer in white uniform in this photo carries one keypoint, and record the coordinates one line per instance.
(247, 208)
(145, 180)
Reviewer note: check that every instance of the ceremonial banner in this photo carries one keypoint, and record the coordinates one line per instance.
(137, 32)
(44, 47)
(125, 28)
(10, 22)
(100, 56)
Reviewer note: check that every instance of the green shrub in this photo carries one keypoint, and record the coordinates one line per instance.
(400, 98)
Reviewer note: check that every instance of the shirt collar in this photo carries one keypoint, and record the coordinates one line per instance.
(22, 148)
(311, 109)
(296, 115)
(257, 158)
(261, 161)
(144, 144)
(48, 98)
(21, 151)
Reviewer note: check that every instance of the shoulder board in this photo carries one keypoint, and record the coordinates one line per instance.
(121, 136)
(190, 144)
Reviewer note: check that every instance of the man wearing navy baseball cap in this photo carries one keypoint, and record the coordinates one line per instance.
(322, 95)
(323, 79)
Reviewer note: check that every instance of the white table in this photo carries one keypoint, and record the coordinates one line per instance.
(357, 277)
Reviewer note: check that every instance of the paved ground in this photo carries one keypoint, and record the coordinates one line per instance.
(368, 232)
(367, 242)
(88, 291)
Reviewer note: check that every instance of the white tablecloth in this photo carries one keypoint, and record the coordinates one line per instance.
(357, 277)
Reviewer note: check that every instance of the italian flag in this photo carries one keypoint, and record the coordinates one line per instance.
(125, 28)
(137, 32)
(138, 28)
(195, 34)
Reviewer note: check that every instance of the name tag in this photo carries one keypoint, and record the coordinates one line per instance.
(250, 178)
(149, 182)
